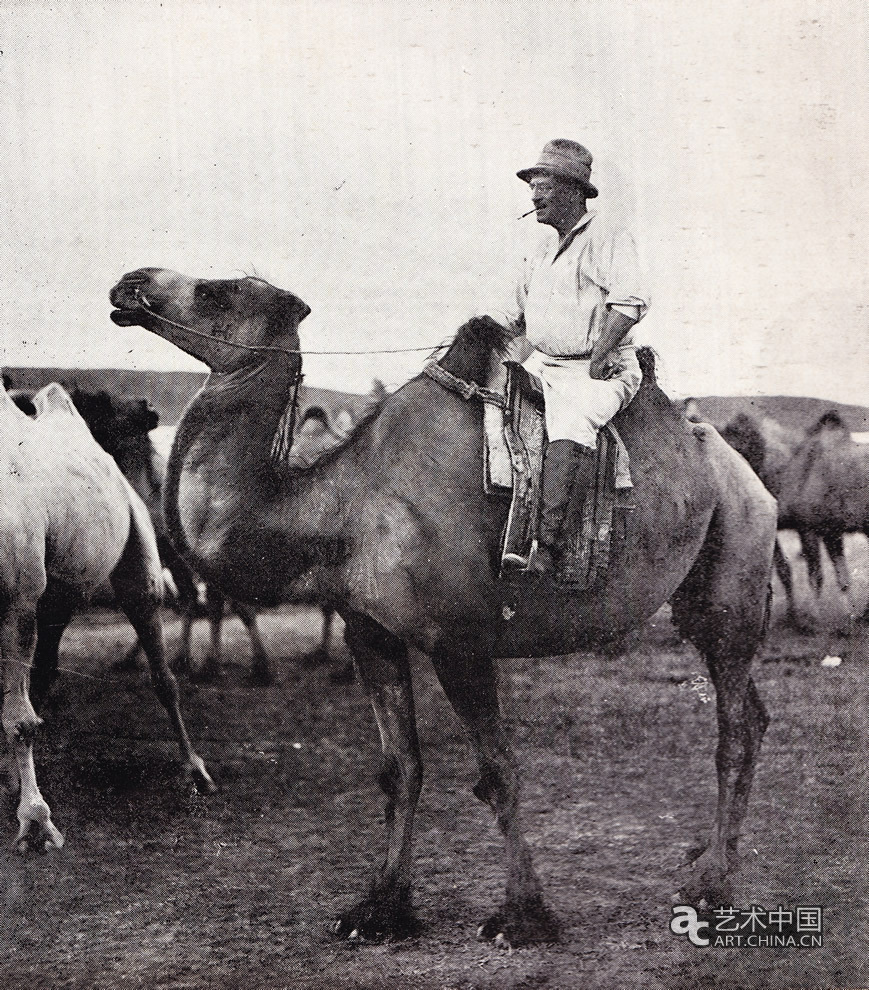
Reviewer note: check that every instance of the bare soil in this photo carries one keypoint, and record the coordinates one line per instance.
(159, 886)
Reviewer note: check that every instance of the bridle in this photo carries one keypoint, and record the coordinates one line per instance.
(283, 439)
(143, 301)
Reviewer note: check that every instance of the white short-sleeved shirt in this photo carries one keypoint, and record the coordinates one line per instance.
(563, 294)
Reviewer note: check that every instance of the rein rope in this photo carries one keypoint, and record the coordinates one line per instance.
(142, 298)
(285, 433)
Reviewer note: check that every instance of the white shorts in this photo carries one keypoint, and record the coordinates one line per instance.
(577, 405)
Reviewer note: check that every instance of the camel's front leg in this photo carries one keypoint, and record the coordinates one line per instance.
(742, 721)
(20, 724)
(384, 671)
(470, 685)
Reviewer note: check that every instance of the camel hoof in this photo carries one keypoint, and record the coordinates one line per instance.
(316, 658)
(38, 838)
(803, 625)
(128, 662)
(705, 883)
(531, 923)
(377, 920)
(200, 777)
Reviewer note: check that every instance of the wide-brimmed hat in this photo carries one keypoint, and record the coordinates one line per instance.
(567, 159)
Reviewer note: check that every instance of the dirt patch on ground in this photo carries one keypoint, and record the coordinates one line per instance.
(161, 887)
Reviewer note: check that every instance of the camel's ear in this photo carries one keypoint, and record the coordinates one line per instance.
(288, 310)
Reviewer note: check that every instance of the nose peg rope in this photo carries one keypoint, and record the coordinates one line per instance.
(146, 306)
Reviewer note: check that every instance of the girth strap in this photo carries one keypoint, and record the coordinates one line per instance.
(467, 390)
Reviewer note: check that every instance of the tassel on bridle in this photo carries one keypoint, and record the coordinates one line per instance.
(282, 443)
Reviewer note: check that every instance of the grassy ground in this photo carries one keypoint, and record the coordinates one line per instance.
(159, 887)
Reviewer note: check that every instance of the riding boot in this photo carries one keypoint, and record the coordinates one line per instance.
(568, 470)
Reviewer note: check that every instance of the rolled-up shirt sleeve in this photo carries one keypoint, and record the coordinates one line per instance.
(621, 274)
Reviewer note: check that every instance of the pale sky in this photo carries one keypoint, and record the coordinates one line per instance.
(363, 155)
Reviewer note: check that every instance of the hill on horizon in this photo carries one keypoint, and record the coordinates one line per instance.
(796, 412)
(170, 391)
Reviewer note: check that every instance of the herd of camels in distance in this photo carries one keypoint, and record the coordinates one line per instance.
(390, 527)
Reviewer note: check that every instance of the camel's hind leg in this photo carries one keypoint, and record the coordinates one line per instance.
(783, 570)
(136, 581)
(260, 669)
(20, 724)
(211, 669)
(812, 552)
(52, 617)
(470, 684)
(384, 671)
(723, 607)
(836, 549)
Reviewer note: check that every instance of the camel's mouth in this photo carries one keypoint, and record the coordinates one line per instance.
(127, 299)
(126, 317)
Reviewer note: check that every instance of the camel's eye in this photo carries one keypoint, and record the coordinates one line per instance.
(216, 294)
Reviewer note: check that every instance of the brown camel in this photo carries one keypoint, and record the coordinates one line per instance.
(69, 521)
(122, 427)
(824, 493)
(394, 527)
(768, 448)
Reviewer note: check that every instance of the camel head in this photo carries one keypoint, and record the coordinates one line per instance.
(225, 323)
(115, 420)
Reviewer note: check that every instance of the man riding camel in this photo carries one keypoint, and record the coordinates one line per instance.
(576, 302)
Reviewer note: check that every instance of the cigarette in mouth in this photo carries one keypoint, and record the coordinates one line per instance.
(528, 214)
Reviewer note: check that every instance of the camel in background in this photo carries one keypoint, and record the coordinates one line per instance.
(768, 447)
(69, 521)
(122, 427)
(394, 527)
(824, 493)
(821, 480)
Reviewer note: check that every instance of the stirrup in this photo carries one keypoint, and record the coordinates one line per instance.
(514, 562)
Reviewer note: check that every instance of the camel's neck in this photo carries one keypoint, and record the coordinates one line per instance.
(246, 525)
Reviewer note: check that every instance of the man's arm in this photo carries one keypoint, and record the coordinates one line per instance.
(616, 327)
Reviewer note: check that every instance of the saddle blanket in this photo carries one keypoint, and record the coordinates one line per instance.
(515, 441)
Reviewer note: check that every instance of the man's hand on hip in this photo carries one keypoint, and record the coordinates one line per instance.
(604, 366)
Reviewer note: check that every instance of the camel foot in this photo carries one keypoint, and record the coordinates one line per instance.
(378, 918)
(130, 660)
(316, 658)
(517, 925)
(705, 882)
(196, 772)
(802, 624)
(181, 666)
(37, 833)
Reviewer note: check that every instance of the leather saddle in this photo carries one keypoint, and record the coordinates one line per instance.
(515, 441)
